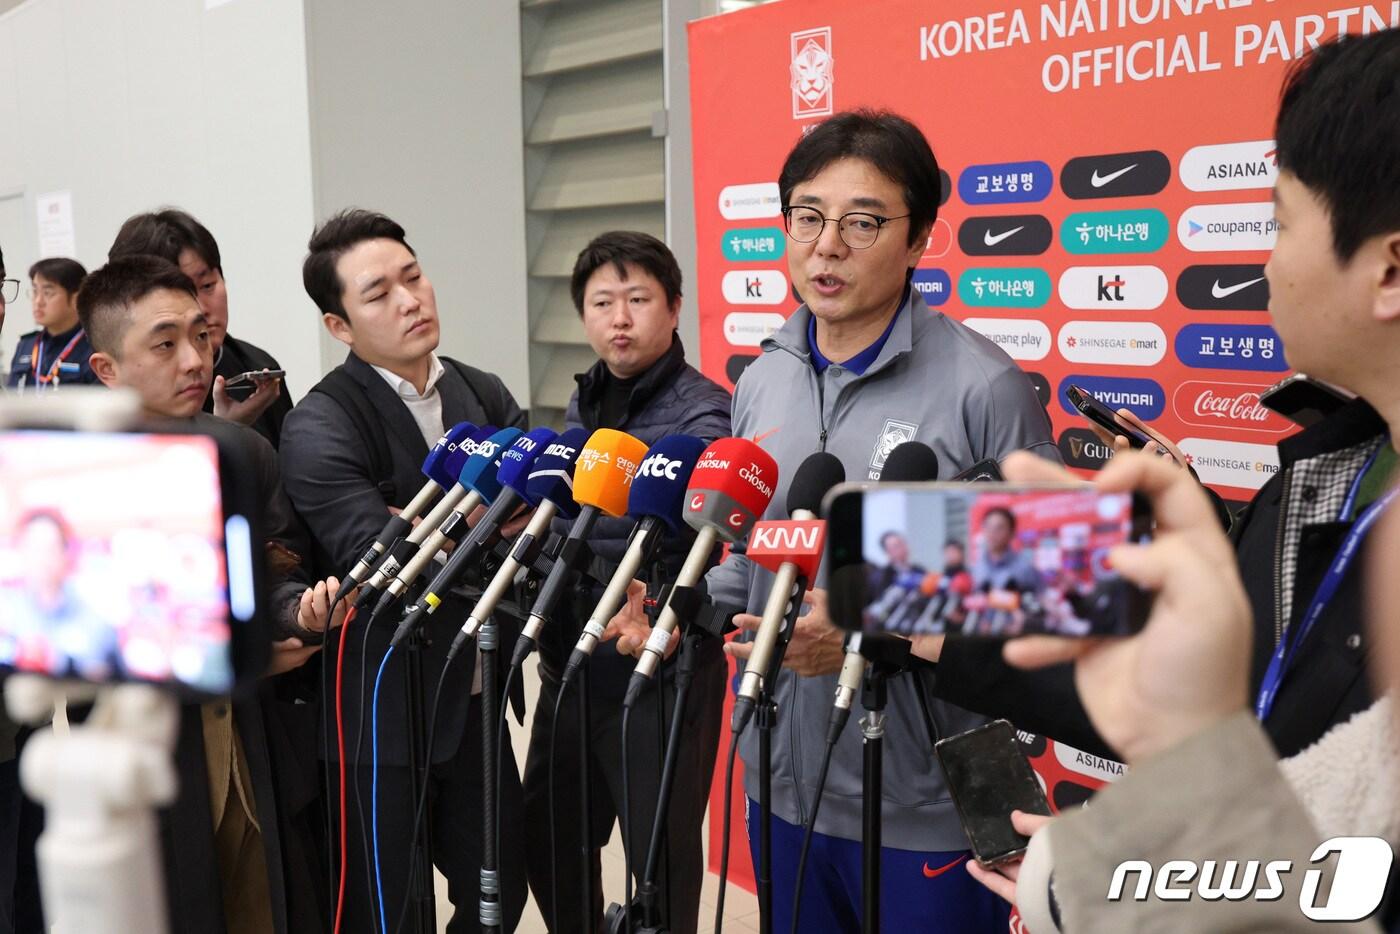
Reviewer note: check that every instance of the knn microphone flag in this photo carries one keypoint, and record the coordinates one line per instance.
(548, 486)
(793, 551)
(656, 499)
(602, 481)
(398, 526)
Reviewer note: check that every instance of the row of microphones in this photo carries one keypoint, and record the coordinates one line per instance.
(910, 462)
(436, 467)
(793, 551)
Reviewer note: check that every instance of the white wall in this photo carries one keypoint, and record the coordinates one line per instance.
(140, 103)
(416, 112)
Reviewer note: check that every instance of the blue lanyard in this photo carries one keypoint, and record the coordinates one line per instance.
(1287, 649)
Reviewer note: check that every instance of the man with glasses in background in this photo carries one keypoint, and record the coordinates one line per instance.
(56, 353)
(860, 367)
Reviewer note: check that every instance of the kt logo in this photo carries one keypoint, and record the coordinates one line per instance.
(753, 288)
(1111, 290)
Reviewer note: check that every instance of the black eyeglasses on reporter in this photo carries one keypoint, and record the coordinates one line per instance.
(9, 290)
(857, 229)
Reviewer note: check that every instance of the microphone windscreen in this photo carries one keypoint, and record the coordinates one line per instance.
(552, 475)
(929, 586)
(910, 462)
(659, 487)
(731, 486)
(479, 473)
(606, 465)
(458, 458)
(435, 464)
(814, 479)
(518, 459)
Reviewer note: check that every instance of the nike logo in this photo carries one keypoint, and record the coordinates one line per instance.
(760, 438)
(990, 240)
(935, 873)
(1225, 292)
(1098, 181)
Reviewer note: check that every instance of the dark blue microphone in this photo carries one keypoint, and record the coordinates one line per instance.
(656, 501)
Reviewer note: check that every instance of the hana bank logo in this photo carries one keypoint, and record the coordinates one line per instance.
(812, 73)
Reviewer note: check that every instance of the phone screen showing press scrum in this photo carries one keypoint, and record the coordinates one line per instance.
(117, 561)
(984, 560)
(989, 777)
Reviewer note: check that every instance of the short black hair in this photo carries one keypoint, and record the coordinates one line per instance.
(1338, 132)
(166, 233)
(621, 247)
(886, 537)
(331, 241)
(887, 141)
(105, 300)
(1003, 511)
(65, 273)
(954, 543)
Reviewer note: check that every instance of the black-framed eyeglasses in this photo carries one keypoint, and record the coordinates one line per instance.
(9, 290)
(857, 229)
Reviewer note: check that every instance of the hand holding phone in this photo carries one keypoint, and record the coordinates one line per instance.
(989, 777)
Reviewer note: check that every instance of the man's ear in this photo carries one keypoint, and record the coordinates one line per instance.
(676, 313)
(105, 366)
(339, 328)
(920, 244)
(1387, 306)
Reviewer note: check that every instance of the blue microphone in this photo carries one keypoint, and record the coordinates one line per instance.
(552, 478)
(656, 501)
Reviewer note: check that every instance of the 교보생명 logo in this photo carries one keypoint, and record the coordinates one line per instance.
(1231, 463)
(1141, 230)
(1208, 228)
(1235, 287)
(1005, 183)
(1235, 406)
(1113, 343)
(750, 328)
(746, 202)
(1145, 398)
(1121, 175)
(1230, 166)
(812, 73)
(1113, 288)
(934, 285)
(1015, 235)
(892, 435)
(754, 287)
(1231, 347)
(1021, 338)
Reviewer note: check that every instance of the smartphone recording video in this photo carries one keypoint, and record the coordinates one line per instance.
(121, 559)
(990, 560)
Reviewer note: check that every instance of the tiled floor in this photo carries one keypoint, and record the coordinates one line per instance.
(740, 906)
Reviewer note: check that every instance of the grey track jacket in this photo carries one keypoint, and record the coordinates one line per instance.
(934, 381)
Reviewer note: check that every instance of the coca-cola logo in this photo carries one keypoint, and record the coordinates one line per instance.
(1232, 405)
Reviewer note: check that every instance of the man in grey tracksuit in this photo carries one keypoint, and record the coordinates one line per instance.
(861, 366)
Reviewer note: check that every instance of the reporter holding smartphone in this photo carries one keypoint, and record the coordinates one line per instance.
(239, 845)
(259, 402)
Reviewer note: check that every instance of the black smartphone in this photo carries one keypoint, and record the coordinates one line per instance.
(1303, 400)
(129, 556)
(989, 777)
(993, 560)
(984, 471)
(1101, 415)
(245, 384)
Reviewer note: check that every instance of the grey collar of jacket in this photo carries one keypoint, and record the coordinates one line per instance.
(792, 336)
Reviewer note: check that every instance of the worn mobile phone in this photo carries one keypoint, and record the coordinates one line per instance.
(254, 377)
(991, 559)
(1303, 400)
(1101, 415)
(983, 471)
(129, 556)
(989, 777)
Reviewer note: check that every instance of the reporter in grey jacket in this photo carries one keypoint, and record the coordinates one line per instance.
(861, 366)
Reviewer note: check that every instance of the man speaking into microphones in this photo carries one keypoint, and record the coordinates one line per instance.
(860, 367)
(626, 287)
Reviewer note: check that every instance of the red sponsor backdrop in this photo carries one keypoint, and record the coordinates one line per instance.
(1107, 219)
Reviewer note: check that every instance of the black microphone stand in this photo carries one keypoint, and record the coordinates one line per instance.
(489, 910)
(887, 658)
(766, 717)
(422, 897)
